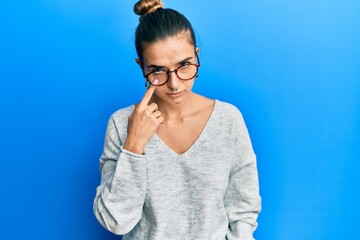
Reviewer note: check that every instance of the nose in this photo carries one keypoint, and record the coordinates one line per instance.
(173, 82)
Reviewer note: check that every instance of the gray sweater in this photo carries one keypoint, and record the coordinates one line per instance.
(209, 192)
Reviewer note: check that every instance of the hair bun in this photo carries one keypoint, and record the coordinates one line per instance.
(144, 7)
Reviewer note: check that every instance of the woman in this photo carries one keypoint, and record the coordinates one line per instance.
(176, 165)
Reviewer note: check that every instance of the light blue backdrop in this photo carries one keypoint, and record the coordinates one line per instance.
(292, 67)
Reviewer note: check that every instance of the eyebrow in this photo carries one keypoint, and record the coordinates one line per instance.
(158, 66)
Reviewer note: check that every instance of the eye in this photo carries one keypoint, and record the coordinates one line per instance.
(158, 70)
(184, 64)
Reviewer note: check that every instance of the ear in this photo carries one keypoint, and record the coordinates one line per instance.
(197, 50)
(139, 62)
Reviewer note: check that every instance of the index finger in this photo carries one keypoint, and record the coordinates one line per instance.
(148, 94)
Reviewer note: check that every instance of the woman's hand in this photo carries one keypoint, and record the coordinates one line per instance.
(143, 122)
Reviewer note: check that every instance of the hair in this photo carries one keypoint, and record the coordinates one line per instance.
(157, 23)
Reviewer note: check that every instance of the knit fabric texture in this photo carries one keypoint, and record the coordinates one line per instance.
(209, 192)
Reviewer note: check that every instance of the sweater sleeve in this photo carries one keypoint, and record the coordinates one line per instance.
(242, 199)
(120, 197)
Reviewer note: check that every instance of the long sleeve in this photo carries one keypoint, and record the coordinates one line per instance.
(209, 192)
(242, 199)
(120, 197)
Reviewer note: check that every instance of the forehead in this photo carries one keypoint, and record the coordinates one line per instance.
(169, 50)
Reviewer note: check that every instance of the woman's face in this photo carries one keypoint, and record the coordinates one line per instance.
(170, 54)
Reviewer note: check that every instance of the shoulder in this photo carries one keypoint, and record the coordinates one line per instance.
(234, 121)
(117, 124)
(228, 112)
(119, 119)
(122, 114)
(230, 118)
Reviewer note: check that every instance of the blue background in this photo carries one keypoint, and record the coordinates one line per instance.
(292, 67)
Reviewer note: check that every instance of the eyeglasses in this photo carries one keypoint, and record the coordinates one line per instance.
(185, 72)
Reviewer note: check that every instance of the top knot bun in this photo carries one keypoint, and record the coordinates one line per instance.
(144, 7)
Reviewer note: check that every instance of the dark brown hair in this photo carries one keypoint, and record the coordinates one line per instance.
(157, 23)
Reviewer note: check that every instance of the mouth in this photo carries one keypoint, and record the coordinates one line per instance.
(174, 95)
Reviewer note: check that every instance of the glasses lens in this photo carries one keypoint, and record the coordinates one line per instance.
(187, 72)
(161, 76)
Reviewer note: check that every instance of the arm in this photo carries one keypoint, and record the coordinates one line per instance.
(120, 197)
(242, 199)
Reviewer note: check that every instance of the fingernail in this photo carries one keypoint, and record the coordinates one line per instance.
(155, 82)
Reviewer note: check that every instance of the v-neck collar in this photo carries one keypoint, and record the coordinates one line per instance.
(196, 142)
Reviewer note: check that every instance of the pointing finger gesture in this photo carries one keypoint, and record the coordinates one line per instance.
(143, 122)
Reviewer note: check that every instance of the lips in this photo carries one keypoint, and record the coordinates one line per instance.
(175, 94)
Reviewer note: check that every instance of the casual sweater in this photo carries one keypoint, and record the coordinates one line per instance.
(209, 192)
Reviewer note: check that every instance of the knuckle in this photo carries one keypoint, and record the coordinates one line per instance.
(160, 119)
(148, 113)
(138, 111)
(153, 105)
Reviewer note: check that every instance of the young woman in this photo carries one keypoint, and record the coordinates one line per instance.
(176, 165)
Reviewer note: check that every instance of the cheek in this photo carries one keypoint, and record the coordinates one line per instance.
(189, 84)
(159, 90)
